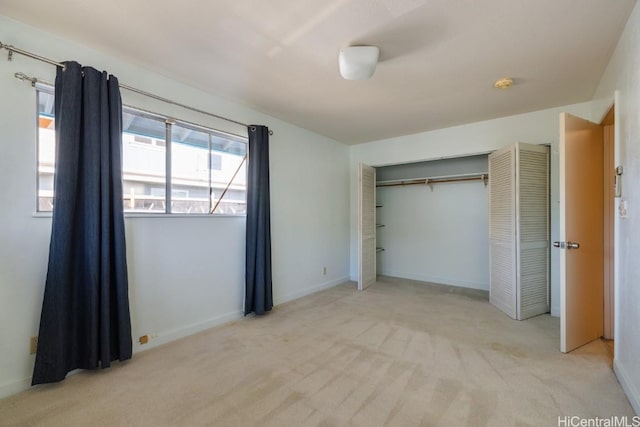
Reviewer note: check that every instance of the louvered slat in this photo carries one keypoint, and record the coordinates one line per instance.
(533, 238)
(502, 251)
(519, 230)
(367, 227)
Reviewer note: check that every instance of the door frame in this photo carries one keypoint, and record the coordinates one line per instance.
(608, 122)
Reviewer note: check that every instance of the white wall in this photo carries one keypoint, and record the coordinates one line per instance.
(185, 274)
(539, 127)
(621, 78)
(438, 235)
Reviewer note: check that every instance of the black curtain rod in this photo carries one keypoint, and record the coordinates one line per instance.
(12, 49)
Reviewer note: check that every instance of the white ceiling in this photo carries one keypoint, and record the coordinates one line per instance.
(439, 58)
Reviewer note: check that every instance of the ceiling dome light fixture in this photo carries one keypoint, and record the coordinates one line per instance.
(358, 62)
(503, 83)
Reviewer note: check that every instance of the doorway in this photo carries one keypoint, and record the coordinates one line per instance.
(587, 191)
(608, 123)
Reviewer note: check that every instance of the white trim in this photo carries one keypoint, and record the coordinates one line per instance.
(281, 299)
(562, 215)
(16, 386)
(42, 214)
(10, 388)
(178, 215)
(617, 246)
(438, 280)
(633, 395)
(158, 339)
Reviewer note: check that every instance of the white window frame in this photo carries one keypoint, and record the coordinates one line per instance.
(169, 123)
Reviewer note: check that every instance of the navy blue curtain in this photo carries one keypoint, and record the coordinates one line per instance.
(85, 321)
(258, 297)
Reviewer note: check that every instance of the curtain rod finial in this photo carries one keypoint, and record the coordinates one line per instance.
(23, 77)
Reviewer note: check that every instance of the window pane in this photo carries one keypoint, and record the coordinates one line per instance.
(189, 170)
(203, 165)
(234, 201)
(208, 168)
(46, 151)
(216, 162)
(143, 162)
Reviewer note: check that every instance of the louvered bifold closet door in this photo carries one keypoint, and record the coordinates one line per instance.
(366, 227)
(532, 176)
(502, 230)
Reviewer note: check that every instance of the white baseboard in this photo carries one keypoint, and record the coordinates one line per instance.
(438, 280)
(281, 299)
(185, 331)
(160, 338)
(555, 311)
(630, 389)
(157, 339)
(15, 386)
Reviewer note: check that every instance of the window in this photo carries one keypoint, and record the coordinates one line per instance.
(46, 149)
(143, 162)
(199, 168)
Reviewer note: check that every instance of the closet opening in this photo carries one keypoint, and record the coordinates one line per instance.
(429, 223)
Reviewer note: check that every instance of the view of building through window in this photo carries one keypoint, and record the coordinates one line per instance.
(202, 163)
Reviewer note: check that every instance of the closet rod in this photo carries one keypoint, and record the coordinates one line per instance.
(429, 181)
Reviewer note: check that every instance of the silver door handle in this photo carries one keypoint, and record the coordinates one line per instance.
(568, 245)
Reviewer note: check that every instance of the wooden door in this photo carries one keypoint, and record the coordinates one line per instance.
(581, 242)
(366, 227)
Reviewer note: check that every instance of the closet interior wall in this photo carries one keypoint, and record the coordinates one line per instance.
(435, 233)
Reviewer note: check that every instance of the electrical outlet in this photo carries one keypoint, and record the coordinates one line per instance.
(144, 339)
(33, 345)
(324, 271)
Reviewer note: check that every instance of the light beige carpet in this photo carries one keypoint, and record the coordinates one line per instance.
(402, 353)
